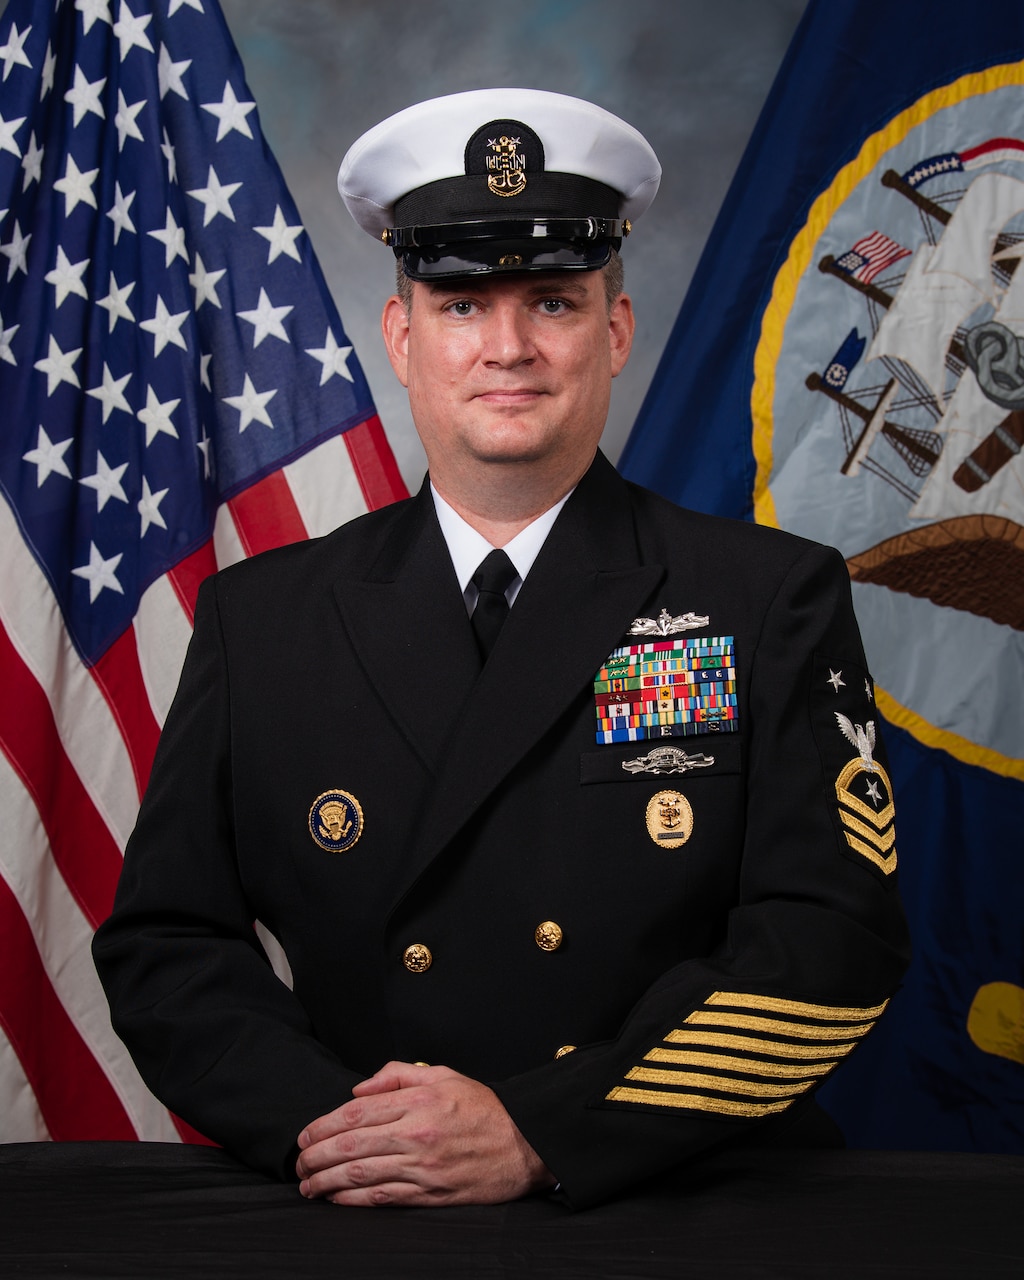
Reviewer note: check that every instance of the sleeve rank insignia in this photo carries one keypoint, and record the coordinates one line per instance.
(667, 689)
(864, 792)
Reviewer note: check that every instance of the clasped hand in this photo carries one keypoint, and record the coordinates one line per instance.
(416, 1135)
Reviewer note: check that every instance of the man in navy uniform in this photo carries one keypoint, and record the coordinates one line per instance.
(566, 805)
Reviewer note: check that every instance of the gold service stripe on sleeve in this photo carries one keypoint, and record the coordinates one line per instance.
(746, 1044)
(728, 1062)
(695, 1102)
(770, 1027)
(775, 1004)
(720, 1084)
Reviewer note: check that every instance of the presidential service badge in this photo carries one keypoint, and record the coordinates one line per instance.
(336, 821)
(669, 819)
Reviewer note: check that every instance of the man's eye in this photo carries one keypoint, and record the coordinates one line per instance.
(553, 306)
(461, 307)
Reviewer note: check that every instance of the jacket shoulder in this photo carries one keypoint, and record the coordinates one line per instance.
(688, 533)
(351, 547)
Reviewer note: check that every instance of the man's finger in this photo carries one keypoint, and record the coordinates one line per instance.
(396, 1075)
(360, 1113)
(394, 1194)
(363, 1174)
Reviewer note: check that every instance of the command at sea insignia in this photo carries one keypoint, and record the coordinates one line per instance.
(669, 819)
(336, 821)
(862, 786)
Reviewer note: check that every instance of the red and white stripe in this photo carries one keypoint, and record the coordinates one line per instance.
(995, 151)
(76, 746)
(880, 251)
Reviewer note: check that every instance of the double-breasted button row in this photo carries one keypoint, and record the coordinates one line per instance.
(417, 957)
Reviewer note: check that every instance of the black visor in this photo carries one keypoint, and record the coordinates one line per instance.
(471, 257)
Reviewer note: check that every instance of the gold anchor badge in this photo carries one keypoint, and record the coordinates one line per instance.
(506, 168)
(669, 819)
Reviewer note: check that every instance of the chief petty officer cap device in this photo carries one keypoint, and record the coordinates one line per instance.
(499, 180)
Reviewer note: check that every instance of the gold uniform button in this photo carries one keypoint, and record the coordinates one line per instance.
(566, 1048)
(417, 958)
(548, 935)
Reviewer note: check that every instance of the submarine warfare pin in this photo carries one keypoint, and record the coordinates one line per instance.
(668, 625)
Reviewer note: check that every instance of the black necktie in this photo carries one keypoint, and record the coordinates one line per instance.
(492, 580)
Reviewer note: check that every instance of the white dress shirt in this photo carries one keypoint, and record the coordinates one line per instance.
(468, 548)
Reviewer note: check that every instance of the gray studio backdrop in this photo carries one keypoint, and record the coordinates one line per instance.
(689, 74)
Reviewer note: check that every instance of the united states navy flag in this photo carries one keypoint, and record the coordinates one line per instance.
(849, 365)
(176, 392)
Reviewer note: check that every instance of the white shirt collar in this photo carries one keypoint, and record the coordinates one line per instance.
(467, 547)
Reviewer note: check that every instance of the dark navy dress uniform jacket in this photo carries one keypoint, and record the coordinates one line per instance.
(705, 988)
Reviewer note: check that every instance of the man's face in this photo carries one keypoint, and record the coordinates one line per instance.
(509, 370)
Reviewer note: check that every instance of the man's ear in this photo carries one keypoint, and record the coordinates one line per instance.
(621, 324)
(394, 325)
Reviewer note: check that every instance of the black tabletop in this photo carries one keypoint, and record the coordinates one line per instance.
(153, 1210)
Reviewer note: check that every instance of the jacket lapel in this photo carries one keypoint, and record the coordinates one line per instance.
(407, 622)
(583, 591)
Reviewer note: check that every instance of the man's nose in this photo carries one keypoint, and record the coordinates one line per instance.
(509, 337)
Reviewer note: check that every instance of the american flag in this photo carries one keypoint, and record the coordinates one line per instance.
(869, 257)
(176, 392)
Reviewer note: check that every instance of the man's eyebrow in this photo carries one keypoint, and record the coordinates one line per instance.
(541, 288)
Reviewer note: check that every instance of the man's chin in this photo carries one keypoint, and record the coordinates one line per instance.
(509, 455)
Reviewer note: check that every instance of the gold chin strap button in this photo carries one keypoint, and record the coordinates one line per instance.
(417, 958)
(548, 935)
(566, 1048)
(421, 1064)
